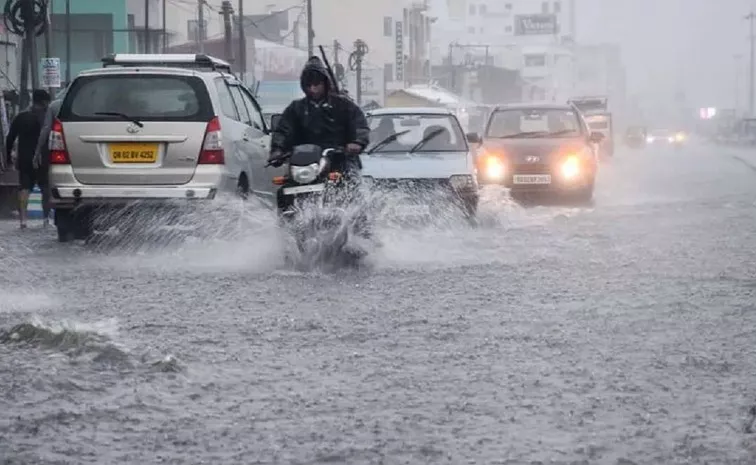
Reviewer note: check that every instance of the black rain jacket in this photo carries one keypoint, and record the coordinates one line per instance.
(333, 122)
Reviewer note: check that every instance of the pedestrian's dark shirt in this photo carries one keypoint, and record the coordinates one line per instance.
(25, 127)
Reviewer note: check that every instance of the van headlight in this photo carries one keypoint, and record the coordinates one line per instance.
(305, 174)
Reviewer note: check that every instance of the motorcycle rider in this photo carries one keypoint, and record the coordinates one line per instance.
(323, 118)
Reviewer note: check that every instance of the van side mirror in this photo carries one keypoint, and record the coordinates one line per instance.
(596, 137)
(474, 138)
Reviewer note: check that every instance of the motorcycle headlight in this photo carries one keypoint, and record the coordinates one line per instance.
(305, 174)
(649, 139)
(461, 181)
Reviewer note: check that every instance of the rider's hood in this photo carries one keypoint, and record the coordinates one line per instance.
(315, 65)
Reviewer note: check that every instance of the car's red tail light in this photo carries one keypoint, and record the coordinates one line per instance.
(212, 147)
(57, 141)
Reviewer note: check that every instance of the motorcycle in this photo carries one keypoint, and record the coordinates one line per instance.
(313, 201)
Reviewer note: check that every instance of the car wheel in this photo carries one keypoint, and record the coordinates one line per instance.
(64, 224)
(242, 187)
(83, 226)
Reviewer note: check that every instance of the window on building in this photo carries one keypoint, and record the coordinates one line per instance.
(507, 6)
(387, 26)
(482, 9)
(472, 10)
(557, 7)
(545, 7)
(471, 30)
(508, 29)
(193, 30)
(535, 60)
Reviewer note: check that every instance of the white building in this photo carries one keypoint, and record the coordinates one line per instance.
(532, 36)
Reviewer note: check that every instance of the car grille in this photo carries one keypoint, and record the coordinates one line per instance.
(531, 168)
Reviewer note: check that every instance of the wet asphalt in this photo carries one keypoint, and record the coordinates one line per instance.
(619, 333)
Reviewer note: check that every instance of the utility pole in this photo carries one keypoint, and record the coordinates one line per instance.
(452, 77)
(310, 30)
(336, 47)
(356, 60)
(751, 17)
(165, 31)
(573, 21)
(48, 40)
(242, 43)
(226, 12)
(147, 26)
(201, 25)
(736, 102)
(68, 41)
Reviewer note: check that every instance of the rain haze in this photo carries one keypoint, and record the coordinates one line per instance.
(699, 47)
(377, 232)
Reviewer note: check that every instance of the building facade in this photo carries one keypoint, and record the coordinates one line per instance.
(97, 28)
(532, 36)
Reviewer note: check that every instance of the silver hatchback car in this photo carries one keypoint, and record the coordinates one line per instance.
(153, 129)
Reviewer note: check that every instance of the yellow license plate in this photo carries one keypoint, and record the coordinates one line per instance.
(133, 153)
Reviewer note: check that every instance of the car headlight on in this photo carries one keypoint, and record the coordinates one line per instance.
(679, 137)
(571, 167)
(494, 168)
(305, 174)
(462, 181)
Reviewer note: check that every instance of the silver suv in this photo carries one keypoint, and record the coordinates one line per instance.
(156, 128)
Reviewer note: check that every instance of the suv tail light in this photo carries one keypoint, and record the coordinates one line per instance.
(58, 150)
(212, 146)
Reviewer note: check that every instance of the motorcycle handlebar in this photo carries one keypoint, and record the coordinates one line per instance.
(325, 153)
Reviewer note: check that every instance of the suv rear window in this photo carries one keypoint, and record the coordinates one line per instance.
(145, 97)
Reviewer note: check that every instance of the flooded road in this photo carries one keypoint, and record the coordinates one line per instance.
(617, 334)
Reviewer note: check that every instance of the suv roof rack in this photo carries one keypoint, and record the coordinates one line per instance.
(173, 60)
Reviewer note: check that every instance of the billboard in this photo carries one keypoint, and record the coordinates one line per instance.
(540, 24)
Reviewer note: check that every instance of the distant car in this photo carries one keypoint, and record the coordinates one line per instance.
(424, 154)
(540, 148)
(153, 129)
(635, 137)
(666, 137)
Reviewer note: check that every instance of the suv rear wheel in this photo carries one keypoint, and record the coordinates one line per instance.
(73, 224)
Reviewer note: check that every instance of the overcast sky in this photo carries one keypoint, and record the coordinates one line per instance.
(668, 44)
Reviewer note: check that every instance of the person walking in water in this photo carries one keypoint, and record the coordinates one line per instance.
(26, 127)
